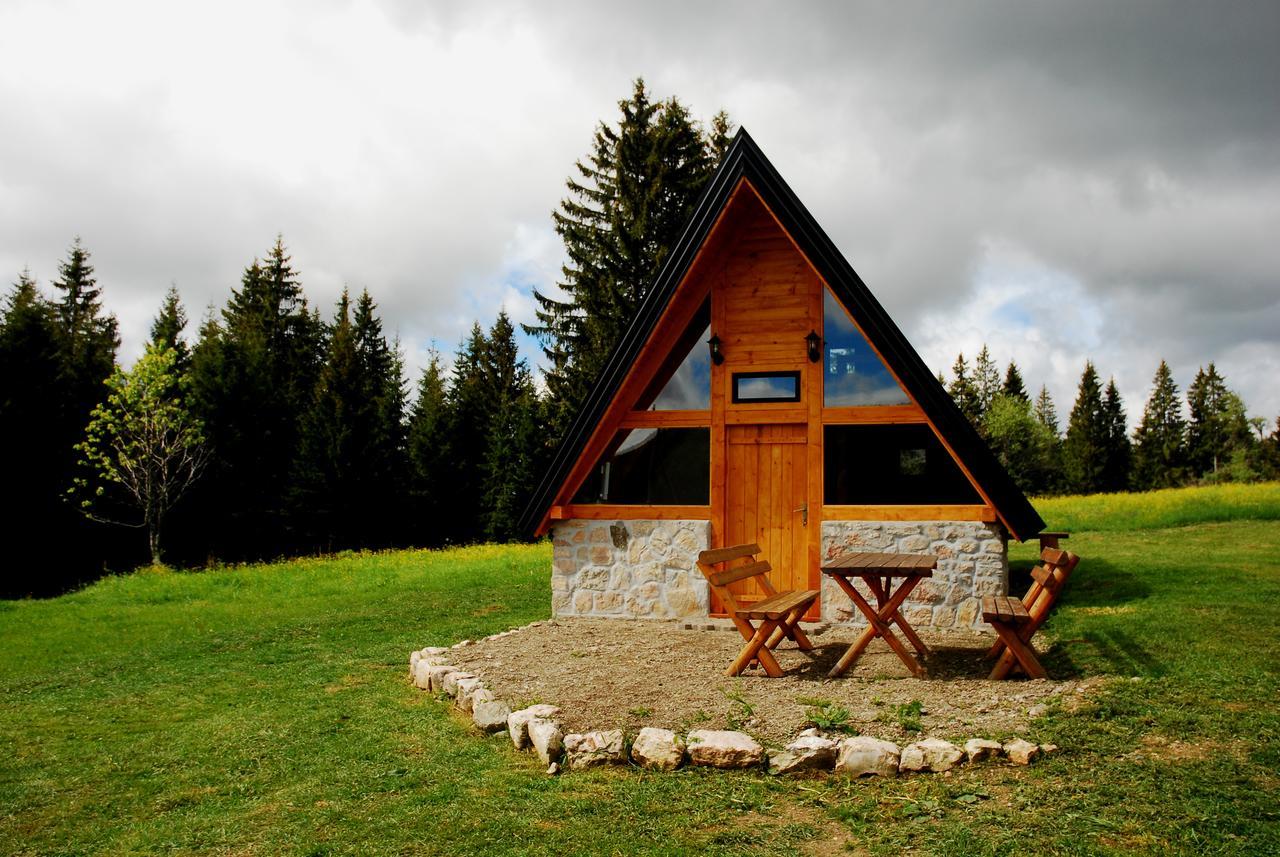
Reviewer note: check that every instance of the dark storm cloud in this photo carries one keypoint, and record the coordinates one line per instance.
(1108, 170)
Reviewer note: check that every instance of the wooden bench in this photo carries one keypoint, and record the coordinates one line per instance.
(778, 612)
(1016, 620)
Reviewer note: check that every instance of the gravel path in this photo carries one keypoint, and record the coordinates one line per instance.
(629, 674)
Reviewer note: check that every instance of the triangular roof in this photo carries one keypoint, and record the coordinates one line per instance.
(744, 160)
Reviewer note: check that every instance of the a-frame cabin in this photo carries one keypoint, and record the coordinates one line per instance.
(762, 394)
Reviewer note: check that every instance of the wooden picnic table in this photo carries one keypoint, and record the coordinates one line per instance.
(878, 571)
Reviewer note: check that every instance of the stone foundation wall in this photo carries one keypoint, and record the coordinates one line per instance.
(629, 569)
(973, 561)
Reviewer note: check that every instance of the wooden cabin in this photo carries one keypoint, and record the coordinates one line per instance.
(762, 394)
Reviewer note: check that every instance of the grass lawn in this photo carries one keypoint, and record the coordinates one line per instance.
(265, 710)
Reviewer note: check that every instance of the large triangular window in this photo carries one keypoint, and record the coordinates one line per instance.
(684, 381)
(853, 374)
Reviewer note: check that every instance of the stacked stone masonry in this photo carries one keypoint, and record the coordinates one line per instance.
(629, 569)
(647, 569)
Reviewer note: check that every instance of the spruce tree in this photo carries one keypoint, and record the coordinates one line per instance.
(511, 453)
(1159, 450)
(470, 409)
(431, 462)
(625, 209)
(31, 431)
(964, 391)
(1045, 412)
(1119, 452)
(1013, 385)
(1217, 426)
(1084, 451)
(167, 329)
(253, 378)
(986, 381)
(87, 338)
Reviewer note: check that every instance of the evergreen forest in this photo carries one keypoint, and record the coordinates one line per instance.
(275, 427)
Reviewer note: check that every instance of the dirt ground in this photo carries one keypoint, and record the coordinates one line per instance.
(608, 674)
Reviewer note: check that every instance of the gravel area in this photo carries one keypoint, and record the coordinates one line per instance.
(609, 674)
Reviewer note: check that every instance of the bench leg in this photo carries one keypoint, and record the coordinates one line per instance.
(755, 648)
(1016, 649)
(790, 628)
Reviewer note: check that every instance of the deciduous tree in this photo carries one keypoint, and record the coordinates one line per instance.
(142, 448)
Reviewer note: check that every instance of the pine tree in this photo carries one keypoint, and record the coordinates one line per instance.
(1159, 451)
(88, 340)
(625, 210)
(964, 391)
(1217, 427)
(986, 381)
(386, 462)
(254, 377)
(1045, 412)
(470, 409)
(1118, 460)
(167, 328)
(512, 445)
(31, 431)
(1013, 385)
(1084, 452)
(431, 462)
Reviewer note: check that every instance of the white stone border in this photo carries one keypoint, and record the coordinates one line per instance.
(536, 729)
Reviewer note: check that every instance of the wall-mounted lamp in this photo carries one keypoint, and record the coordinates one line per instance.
(814, 342)
(714, 344)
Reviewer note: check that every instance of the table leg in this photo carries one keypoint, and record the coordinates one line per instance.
(878, 625)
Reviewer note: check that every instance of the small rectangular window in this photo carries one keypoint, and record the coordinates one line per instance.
(766, 387)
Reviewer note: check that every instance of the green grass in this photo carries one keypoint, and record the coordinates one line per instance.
(265, 710)
(1171, 507)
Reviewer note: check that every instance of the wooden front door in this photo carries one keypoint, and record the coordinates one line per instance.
(766, 493)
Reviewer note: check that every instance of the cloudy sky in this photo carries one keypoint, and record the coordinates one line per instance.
(1062, 181)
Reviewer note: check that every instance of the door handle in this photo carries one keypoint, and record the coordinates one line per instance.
(804, 514)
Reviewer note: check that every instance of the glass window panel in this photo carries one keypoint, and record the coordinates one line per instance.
(684, 382)
(852, 373)
(891, 465)
(652, 467)
(766, 387)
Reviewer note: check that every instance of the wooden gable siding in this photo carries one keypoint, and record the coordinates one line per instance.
(767, 297)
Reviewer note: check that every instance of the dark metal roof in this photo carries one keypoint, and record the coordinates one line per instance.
(745, 160)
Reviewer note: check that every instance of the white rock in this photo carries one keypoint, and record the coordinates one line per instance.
(1021, 752)
(723, 749)
(553, 769)
(420, 674)
(450, 684)
(436, 676)
(931, 754)
(432, 651)
(518, 722)
(594, 748)
(1038, 710)
(466, 687)
(413, 661)
(490, 715)
(978, 749)
(1048, 748)
(660, 749)
(866, 756)
(547, 739)
(806, 753)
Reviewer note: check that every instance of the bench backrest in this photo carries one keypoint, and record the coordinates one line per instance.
(718, 568)
(1047, 581)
